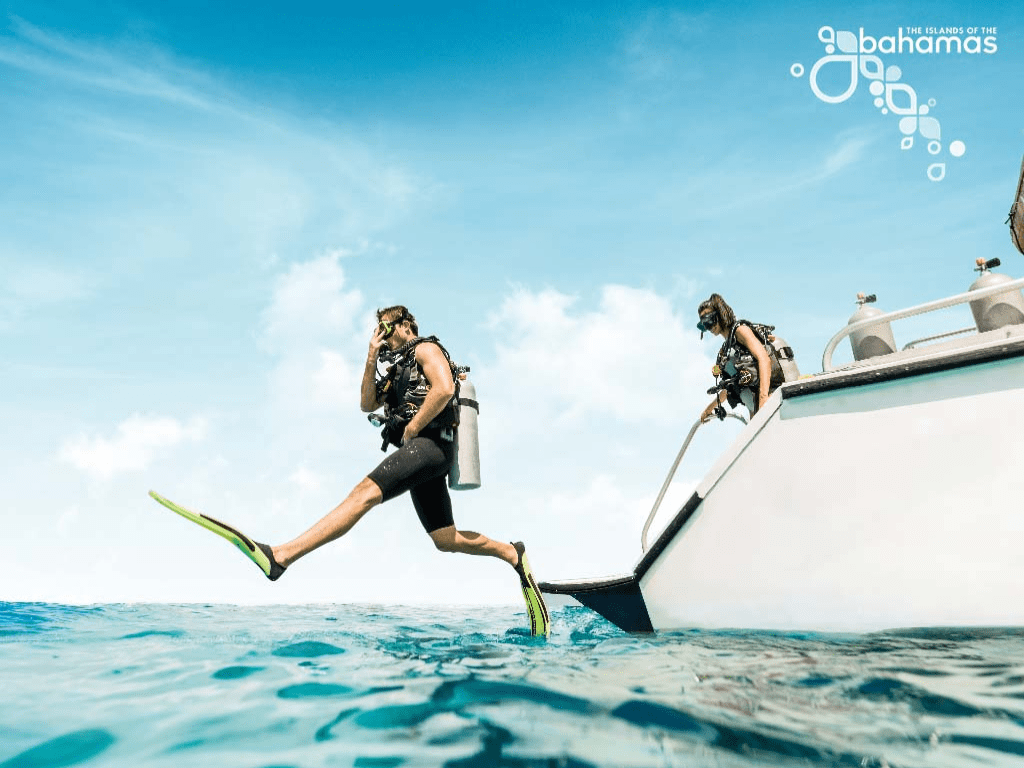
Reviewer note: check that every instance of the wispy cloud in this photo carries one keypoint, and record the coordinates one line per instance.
(659, 46)
(30, 286)
(134, 444)
(161, 140)
(742, 183)
(58, 57)
(850, 151)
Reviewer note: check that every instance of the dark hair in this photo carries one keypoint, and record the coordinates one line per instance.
(726, 317)
(400, 314)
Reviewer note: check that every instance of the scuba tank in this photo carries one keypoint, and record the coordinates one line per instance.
(994, 312)
(875, 340)
(780, 350)
(465, 471)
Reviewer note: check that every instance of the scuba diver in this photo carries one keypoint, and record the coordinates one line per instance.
(751, 363)
(419, 390)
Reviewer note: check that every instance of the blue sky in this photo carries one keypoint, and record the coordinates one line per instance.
(202, 206)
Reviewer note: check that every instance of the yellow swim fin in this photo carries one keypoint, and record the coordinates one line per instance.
(540, 619)
(260, 554)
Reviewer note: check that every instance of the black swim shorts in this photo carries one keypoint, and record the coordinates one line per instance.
(420, 467)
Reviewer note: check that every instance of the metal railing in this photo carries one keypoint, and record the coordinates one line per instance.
(915, 342)
(920, 309)
(672, 474)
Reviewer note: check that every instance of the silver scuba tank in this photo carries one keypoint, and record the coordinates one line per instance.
(994, 312)
(874, 340)
(465, 471)
(790, 371)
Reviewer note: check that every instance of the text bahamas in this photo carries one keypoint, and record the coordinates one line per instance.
(903, 43)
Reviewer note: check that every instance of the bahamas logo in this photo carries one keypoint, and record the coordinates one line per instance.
(850, 58)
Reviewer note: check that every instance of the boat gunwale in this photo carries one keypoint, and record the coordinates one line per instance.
(999, 349)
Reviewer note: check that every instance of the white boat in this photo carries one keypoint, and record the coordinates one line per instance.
(887, 493)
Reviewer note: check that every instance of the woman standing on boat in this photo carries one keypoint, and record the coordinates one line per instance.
(747, 369)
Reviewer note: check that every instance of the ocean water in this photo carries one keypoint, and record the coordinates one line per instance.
(373, 685)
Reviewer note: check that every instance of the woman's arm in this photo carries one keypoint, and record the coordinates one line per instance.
(708, 412)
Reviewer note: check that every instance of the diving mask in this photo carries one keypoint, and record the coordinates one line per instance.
(388, 328)
(707, 321)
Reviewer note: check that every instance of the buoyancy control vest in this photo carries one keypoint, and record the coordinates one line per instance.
(736, 369)
(403, 388)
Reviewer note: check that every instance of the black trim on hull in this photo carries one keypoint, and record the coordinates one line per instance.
(682, 518)
(903, 370)
(619, 600)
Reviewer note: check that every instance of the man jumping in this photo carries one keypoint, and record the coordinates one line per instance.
(419, 395)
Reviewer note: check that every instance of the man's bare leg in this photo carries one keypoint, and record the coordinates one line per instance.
(333, 525)
(450, 539)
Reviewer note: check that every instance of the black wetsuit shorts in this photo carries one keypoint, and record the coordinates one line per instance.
(420, 467)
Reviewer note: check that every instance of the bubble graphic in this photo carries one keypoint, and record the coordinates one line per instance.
(930, 128)
(871, 67)
(846, 62)
(847, 41)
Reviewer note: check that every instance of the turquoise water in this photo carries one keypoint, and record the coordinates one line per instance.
(159, 685)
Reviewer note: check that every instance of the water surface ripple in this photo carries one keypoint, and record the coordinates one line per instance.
(371, 685)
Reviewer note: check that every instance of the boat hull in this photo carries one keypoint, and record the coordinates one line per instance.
(884, 497)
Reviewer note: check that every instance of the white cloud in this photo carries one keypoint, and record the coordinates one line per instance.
(310, 305)
(612, 512)
(317, 329)
(133, 446)
(40, 283)
(66, 521)
(582, 410)
(336, 382)
(632, 358)
(602, 502)
(306, 479)
(28, 286)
